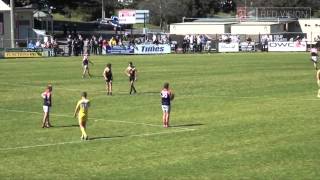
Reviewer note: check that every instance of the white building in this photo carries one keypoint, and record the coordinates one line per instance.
(201, 28)
(310, 27)
(23, 24)
(257, 28)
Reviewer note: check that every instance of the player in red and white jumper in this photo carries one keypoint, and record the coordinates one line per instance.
(47, 103)
(166, 97)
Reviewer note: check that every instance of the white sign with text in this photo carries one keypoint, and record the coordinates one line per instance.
(287, 46)
(228, 47)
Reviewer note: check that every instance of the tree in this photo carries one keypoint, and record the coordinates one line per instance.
(314, 4)
(164, 12)
(171, 10)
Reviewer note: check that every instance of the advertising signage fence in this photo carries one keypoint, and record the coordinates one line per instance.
(120, 50)
(287, 46)
(228, 47)
(140, 49)
(22, 52)
(278, 46)
(152, 49)
(247, 46)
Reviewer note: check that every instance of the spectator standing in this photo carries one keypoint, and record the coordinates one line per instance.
(100, 45)
(69, 43)
(81, 45)
(86, 46)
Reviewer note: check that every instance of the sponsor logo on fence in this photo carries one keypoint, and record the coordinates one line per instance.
(120, 50)
(246, 46)
(228, 47)
(287, 46)
(23, 49)
(22, 54)
(152, 49)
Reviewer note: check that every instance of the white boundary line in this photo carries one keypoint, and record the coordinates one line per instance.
(95, 119)
(179, 129)
(78, 142)
(70, 89)
(251, 97)
(40, 87)
(183, 96)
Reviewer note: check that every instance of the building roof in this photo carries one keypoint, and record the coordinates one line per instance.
(256, 24)
(4, 6)
(204, 23)
(24, 9)
(247, 19)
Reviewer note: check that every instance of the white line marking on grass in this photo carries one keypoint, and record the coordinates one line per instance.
(41, 87)
(180, 97)
(95, 119)
(247, 97)
(72, 89)
(100, 139)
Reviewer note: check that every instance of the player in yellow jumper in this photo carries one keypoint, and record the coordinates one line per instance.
(82, 111)
(318, 82)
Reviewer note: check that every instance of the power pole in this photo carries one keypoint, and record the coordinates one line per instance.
(160, 8)
(103, 15)
(12, 23)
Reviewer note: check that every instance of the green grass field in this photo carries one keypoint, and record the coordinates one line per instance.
(235, 116)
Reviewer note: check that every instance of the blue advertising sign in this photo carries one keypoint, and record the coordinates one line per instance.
(152, 49)
(120, 50)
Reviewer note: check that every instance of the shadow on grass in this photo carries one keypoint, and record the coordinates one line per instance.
(149, 92)
(65, 126)
(137, 94)
(187, 125)
(105, 137)
(93, 76)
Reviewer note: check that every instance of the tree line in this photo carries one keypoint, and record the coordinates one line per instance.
(170, 11)
(164, 12)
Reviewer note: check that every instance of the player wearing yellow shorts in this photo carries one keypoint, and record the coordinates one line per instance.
(318, 82)
(82, 111)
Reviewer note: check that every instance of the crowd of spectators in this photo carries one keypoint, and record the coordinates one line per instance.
(152, 38)
(160, 39)
(78, 45)
(194, 43)
(46, 43)
(229, 38)
(317, 40)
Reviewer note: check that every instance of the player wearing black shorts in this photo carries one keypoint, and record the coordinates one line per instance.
(131, 72)
(107, 74)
